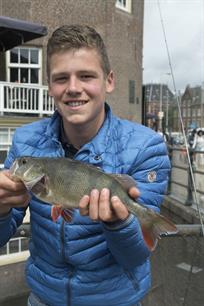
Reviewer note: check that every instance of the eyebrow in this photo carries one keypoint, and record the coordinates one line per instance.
(62, 73)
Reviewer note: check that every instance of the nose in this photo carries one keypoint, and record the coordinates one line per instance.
(74, 86)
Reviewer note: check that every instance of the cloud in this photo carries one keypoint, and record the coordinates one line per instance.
(183, 22)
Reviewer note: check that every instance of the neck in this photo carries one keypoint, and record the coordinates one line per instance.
(80, 135)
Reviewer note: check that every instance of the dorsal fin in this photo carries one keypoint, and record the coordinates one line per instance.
(125, 180)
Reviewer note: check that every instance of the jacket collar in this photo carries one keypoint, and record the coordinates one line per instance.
(53, 127)
(100, 142)
(96, 147)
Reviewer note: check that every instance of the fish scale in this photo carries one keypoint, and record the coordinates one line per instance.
(63, 182)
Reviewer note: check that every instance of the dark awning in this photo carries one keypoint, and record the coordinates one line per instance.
(14, 32)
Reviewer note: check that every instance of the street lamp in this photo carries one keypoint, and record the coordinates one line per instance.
(161, 113)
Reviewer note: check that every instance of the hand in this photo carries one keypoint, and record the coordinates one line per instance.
(12, 194)
(100, 207)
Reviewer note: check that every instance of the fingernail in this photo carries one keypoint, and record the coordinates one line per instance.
(114, 198)
(105, 191)
(94, 192)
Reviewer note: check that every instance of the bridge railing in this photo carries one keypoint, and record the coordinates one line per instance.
(180, 184)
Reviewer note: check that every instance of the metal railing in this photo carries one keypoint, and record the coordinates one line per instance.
(180, 183)
(15, 245)
(25, 99)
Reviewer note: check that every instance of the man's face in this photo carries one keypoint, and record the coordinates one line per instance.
(79, 86)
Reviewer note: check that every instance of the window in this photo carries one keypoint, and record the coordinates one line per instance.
(184, 112)
(125, 5)
(24, 65)
(131, 91)
(6, 135)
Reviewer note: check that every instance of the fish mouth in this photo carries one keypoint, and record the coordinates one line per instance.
(29, 184)
(14, 168)
(40, 186)
(32, 183)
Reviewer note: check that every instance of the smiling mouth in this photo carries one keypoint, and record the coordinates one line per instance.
(76, 103)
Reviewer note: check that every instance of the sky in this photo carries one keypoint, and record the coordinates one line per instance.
(183, 22)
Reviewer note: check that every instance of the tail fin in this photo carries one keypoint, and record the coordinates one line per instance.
(155, 225)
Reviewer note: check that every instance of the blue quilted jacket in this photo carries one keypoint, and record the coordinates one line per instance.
(85, 263)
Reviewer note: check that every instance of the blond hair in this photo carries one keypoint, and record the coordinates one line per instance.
(69, 37)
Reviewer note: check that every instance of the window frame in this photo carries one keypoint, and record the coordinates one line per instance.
(28, 66)
(127, 6)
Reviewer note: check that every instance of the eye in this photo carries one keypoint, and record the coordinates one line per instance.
(24, 161)
(87, 76)
(60, 79)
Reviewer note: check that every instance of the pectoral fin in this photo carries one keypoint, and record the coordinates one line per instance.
(58, 210)
(67, 214)
(55, 212)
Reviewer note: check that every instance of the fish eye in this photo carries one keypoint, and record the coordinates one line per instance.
(24, 161)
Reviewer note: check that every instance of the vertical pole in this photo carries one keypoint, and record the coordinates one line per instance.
(189, 200)
(167, 110)
(160, 108)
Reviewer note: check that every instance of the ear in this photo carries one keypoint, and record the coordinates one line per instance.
(110, 82)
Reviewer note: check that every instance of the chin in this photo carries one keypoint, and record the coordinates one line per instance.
(75, 120)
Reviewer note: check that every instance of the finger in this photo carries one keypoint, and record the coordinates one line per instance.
(105, 211)
(6, 182)
(13, 203)
(133, 192)
(84, 205)
(16, 201)
(93, 205)
(4, 193)
(119, 208)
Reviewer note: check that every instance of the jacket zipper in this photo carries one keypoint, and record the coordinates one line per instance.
(70, 273)
(62, 238)
(132, 279)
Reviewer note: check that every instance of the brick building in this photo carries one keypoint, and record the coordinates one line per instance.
(158, 99)
(119, 22)
(192, 107)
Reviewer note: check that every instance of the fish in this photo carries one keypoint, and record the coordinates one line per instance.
(62, 182)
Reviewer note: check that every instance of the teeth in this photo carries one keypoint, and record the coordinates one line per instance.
(76, 103)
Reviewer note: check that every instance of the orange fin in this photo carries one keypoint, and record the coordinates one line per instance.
(55, 212)
(67, 214)
(58, 210)
(155, 227)
(150, 240)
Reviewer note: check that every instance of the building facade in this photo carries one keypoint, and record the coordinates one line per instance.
(23, 80)
(119, 22)
(158, 100)
(192, 107)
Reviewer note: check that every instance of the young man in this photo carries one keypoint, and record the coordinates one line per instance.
(100, 257)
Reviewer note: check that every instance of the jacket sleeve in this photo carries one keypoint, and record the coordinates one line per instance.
(126, 243)
(150, 167)
(10, 222)
(150, 170)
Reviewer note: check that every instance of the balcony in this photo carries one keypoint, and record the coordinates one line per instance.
(25, 99)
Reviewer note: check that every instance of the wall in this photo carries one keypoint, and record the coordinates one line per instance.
(122, 33)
